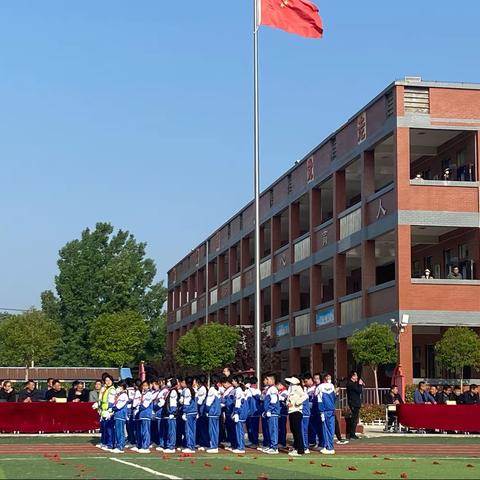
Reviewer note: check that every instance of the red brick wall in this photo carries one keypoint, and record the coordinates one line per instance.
(454, 103)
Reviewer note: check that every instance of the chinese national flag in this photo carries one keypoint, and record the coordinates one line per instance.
(294, 16)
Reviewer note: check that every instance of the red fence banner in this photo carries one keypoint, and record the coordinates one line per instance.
(48, 417)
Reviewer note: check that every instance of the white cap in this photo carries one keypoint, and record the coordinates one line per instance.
(293, 380)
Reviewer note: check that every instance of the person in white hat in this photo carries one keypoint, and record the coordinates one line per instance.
(296, 397)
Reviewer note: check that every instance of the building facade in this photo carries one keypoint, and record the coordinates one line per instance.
(347, 234)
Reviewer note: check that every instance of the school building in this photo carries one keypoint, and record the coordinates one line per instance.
(346, 236)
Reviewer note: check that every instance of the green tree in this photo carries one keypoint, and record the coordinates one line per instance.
(29, 339)
(157, 339)
(115, 338)
(208, 347)
(374, 346)
(101, 272)
(459, 347)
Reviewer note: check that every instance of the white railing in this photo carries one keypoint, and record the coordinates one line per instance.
(266, 269)
(194, 307)
(236, 284)
(302, 324)
(178, 315)
(351, 311)
(350, 223)
(302, 249)
(214, 296)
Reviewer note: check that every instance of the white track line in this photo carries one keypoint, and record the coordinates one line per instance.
(146, 469)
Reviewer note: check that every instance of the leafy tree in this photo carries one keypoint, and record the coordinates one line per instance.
(374, 346)
(102, 272)
(29, 339)
(157, 339)
(208, 347)
(459, 347)
(115, 338)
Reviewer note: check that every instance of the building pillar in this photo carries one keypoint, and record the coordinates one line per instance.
(315, 292)
(294, 303)
(275, 305)
(406, 354)
(316, 353)
(275, 235)
(368, 273)
(294, 361)
(339, 283)
(244, 311)
(341, 362)
(315, 198)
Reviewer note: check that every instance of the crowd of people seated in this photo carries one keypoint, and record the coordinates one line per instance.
(446, 394)
(54, 392)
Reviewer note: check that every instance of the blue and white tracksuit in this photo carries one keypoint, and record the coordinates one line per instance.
(253, 420)
(271, 407)
(145, 410)
(282, 419)
(213, 411)
(315, 424)
(158, 408)
(154, 424)
(106, 401)
(170, 412)
(306, 408)
(261, 407)
(228, 402)
(120, 417)
(130, 423)
(202, 421)
(239, 416)
(326, 404)
(189, 416)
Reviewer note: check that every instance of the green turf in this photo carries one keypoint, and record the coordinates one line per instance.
(248, 467)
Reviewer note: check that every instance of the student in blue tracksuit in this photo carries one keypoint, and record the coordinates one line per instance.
(144, 416)
(158, 409)
(170, 411)
(271, 407)
(120, 416)
(326, 405)
(202, 421)
(154, 440)
(130, 424)
(253, 420)
(213, 410)
(307, 405)
(240, 413)
(228, 402)
(282, 418)
(105, 404)
(189, 414)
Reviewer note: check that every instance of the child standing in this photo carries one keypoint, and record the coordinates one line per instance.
(120, 416)
(213, 410)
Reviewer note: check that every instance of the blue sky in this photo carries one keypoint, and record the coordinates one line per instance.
(139, 113)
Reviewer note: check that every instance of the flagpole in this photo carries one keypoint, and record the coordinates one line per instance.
(256, 149)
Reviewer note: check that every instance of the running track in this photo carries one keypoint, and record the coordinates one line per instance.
(353, 449)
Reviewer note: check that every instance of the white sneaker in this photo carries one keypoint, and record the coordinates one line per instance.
(230, 449)
(169, 450)
(307, 451)
(294, 453)
(143, 450)
(99, 445)
(159, 449)
(227, 444)
(107, 449)
(116, 450)
(328, 452)
(212, 450)
(129, 445)
(236, 450)
(262, 449)
(188, 450)
(134, 449)
(322, 450)
(271, 451)
(201, 449)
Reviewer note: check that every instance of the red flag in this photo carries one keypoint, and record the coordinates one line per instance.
(294, 16)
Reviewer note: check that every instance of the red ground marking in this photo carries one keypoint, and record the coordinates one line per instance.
(414, 450)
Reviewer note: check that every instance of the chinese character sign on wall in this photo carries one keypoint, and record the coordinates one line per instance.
(362, 127)
(310, 170)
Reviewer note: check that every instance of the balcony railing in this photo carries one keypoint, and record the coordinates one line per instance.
(194, 307)
(351, 311)
(266, 268)
(302, 249)
(178, 315)
(302, 324)
(350, 223)
(214, 296)
(236, 284)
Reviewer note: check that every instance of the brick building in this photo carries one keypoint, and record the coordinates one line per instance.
(347, 233)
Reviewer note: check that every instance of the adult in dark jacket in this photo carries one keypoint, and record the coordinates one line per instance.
(392, 397)
(30, 393)
(471, 397)
(78, 392)
(354, 399)
(7, 393)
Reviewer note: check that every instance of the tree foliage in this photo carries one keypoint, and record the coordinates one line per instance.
(208, 347)
(102, 272)
(116, 338)
(156, 342)
(28, 339)
(459, 347)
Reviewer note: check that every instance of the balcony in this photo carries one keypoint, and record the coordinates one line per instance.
(194, 307)
(350, 221)
(214, 296)
(236, 284)
(178, 315)
(302, 249)
(351, 309)
(302, 324)
(265, 268)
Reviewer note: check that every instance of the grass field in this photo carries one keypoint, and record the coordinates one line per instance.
(75, 458)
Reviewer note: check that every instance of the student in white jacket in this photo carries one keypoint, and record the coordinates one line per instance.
(296, 397)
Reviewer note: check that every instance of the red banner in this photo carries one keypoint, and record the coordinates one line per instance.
(48, 417)
(464, 418)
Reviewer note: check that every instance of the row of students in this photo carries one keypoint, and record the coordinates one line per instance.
(184, 413)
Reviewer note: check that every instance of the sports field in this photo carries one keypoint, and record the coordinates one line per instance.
(422, 458)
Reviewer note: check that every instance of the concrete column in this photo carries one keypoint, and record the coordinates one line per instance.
(276, 305)
(244, 311)
(406, 354)
(294, 361)
(315, 215)
(315, 292)
(294, 304)
(316, 358)
(341, 364)
(339, 282)
(368, 173)
(339, 200)
(368, 273)
(275, 235)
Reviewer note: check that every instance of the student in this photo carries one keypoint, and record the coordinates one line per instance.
(144, 417)
(120, 415)
(315, 424)
(212, 411)
(130, 423)
(153, 425)
(240, 413)
(266, 434)
(189, 415)
(326, 405)
(282, 418)
(107, 399)
(202, 421)
(228, 402)
(158, 408)
(170, 410)
(296, 397)
(307, 405)
(271, 406)
(253, 421)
